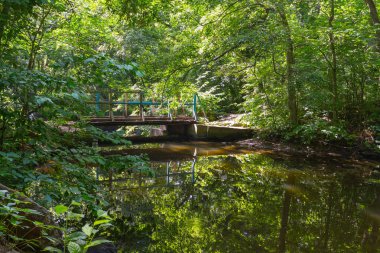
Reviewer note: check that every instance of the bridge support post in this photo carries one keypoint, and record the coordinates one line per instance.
(180, 130)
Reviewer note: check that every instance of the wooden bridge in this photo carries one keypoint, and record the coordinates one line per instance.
(116, 108)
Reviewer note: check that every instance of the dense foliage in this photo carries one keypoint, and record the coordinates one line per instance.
(281, 62)
(305, 69)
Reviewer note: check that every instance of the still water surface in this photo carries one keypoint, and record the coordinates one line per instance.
(208, 197)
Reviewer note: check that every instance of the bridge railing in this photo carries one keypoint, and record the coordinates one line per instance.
(131, 105)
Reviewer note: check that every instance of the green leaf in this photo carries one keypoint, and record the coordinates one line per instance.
(93, 60)
(98, 222)
(74, 190)
(97, 242)
(52, 249)
(139, 73)
(32, 211)
(75, 95)
(87, 229)
(79, 235)
(74, 203)
(60, 209)
(101, 213)
(40, 100)
(12, 155)
(76, 216)
(74, 247)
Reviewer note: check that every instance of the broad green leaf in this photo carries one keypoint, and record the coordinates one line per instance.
(92, 60)
(79, 235)
(74, 203)
(101, 213)
(76, 216)
(52, 249)
(98, 222)
(139, 73)
(40, 100)
(97, 242)
(28, 210)
(12, 155)
(73, 247)
(87, 229)
(75, 95)
(74, 190)
(60, 209)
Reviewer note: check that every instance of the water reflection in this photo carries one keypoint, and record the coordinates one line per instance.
(248, 202)
(165, 174)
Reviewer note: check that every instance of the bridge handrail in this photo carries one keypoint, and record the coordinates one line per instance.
(110, 92)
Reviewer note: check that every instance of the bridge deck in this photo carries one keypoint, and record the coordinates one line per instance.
(136, 120)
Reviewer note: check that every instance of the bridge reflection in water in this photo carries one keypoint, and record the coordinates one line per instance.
(171, 164)
(162, 174)
(224, 200)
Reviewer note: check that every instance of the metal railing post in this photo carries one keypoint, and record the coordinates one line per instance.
(125, 105)
(195, 108)
(141, 109)
(110, 105)
(97, 99)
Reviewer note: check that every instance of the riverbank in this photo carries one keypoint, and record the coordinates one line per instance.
(321, 139)
(327, 150)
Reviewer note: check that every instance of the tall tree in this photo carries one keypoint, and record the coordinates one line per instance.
(375, 19)
(333, 63)
(290, 62)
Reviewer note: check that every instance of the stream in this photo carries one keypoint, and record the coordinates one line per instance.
(213, 197)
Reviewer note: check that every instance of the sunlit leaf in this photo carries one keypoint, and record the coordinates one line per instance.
(60, 209)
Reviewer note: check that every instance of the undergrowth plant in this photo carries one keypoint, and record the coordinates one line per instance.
(15, 217)
(78, 241)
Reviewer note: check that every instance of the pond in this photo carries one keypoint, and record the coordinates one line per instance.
(209, 197)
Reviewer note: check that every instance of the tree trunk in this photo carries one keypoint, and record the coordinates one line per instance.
(290, 73)
(375, 20)
(32, 56)
(37, 39)
(4, 16)
(333, 73)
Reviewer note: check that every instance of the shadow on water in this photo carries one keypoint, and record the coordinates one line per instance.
(208, 197)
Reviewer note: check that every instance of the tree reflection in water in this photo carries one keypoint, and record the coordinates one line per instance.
(249, 203)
